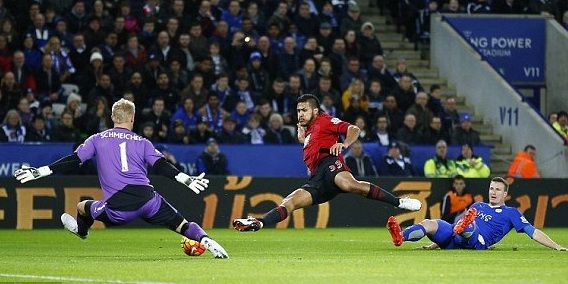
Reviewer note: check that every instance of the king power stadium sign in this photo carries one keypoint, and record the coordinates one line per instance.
(514, 47)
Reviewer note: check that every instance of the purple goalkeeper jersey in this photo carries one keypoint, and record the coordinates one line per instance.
(122, 157)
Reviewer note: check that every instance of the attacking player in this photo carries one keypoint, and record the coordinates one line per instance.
(329, 175)
(482, 226)
(121, 157)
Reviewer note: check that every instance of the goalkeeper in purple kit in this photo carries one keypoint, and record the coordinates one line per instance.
(482, 226)
(122, 156)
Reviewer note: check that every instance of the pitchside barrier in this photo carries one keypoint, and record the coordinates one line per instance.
(39, 203)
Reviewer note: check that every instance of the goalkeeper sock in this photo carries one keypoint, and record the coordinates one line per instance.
(83, 224)
(193, 231)
(274, 216)
(414, 233)
(377, 193)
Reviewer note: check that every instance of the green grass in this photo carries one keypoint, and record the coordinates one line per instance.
(349, 255)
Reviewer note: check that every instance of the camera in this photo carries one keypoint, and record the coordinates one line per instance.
(247, 39)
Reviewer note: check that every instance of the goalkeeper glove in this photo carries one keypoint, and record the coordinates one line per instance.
(26, 173)
(196, 183)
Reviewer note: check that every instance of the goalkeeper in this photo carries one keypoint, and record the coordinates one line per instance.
(121, 157)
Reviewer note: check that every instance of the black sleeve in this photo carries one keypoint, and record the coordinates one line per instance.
(163, 167)
(66, 163)
(447, 215)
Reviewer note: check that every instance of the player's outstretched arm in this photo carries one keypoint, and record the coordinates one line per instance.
(26, 173)
(351, 136)
(429, 247)
(66, 163)
(196, 183)
(545, 240)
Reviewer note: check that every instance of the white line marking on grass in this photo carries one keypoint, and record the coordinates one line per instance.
(78, 279)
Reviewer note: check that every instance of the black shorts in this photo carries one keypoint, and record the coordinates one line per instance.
(321, 184)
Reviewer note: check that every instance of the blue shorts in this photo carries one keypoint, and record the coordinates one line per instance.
(445, 238)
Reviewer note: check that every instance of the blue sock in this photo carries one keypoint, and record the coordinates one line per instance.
(414, 233)
(468, 232)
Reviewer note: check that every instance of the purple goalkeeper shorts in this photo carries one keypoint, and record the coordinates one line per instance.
(155, 211)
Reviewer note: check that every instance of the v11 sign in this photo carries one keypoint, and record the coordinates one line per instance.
(514, 47)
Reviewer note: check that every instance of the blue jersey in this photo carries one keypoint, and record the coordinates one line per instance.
(493, 223)
(122, 157)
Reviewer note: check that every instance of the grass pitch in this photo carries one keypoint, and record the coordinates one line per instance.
(347, 255)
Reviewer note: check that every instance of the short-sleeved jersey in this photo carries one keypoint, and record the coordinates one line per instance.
(494, 223)
(122, 157)
(320, 136)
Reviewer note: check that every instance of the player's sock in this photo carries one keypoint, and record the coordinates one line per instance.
(274, 216)
(193, 231)
(468, 231)
(377, 193)
(83, 224)
(414, 233)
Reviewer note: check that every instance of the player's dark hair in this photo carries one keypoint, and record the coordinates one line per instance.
(279, 80)
(460, 178)
(434, 87)
(375, 80)
(530, 147)
(501, 180)
(311, 99)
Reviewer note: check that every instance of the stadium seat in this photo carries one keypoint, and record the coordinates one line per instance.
(57, 109)
(68, 89)
(290, 128)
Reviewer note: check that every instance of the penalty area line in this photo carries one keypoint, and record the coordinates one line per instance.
(77, 279)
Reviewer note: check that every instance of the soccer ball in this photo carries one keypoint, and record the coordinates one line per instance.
(192, 247)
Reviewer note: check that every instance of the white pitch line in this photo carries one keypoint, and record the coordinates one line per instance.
(78, 279)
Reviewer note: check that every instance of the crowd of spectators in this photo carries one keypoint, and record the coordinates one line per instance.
(229, 70)
(225, 69)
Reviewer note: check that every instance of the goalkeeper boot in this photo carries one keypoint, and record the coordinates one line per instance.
(214, 247)
(465, 221)
(409, 204)
(249, 224)
(70, 225)
(395, 231)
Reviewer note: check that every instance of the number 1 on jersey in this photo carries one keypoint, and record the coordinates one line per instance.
(123, 159)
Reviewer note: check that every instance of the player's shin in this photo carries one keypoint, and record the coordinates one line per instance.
(84, 219)
(414, 233)
(274, 216)
(377, 193)
(83, 224)
(192, 231)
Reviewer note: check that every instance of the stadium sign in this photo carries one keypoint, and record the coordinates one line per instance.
(515, 47)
